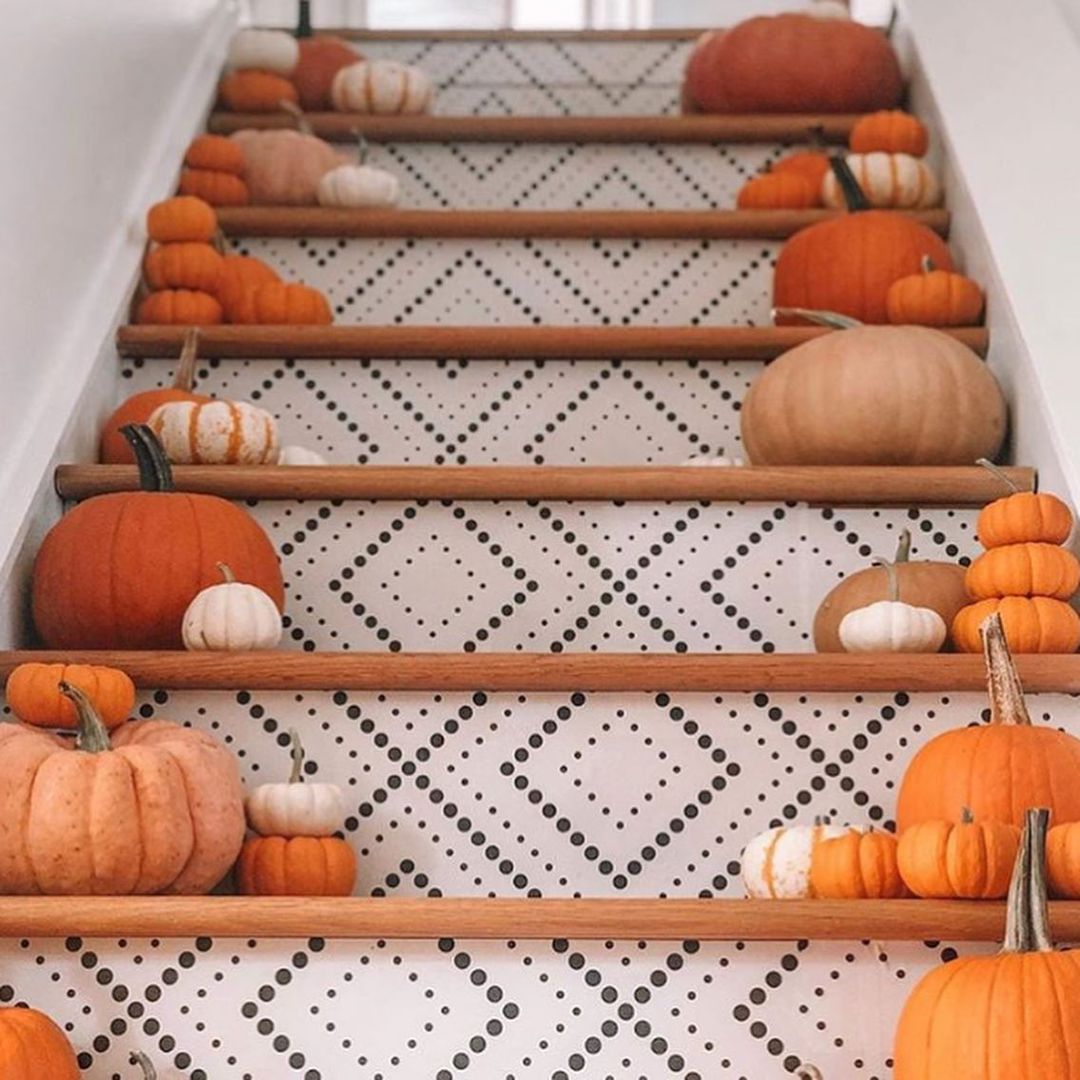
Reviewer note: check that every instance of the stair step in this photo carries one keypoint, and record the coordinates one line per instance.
(516, 919)
(325, 221)
(547, 672)
(488, 342)
(953, 486)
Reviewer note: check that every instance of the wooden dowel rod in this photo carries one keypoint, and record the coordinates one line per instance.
(326, 221)
(489, 342)
(541, 672)
(826, 485)
(652, 34)
(343, 127)
(517, 919)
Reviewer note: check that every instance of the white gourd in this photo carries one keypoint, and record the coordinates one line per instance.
(776, 863)
(891, 625)
(294, 808)
(266, 50)
(216, 433)
(299, 455)
(382, 87)
(231, 617)
(889, 181)
(358, 186)
(716, 461)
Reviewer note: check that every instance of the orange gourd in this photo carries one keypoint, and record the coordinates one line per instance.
(811, 165)
(1010, 1016)
(183, 217)
(183, 265)
(296, 866)
(239, 275)
(285, 303)
(1063, 861)
(118, 571)
(890, 130)
(1035, 624)
(965, 860)
(321, 58)
(32, 1047)
(777, 191)
(215, 187)
(1022, 517)
(857, 866)
(215, 153)
(255, 91)
(1027, 569)
(179, 307)
(934, 298)
(34, 695)
(996, 770)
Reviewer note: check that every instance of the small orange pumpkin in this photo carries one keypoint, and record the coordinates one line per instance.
(35, 697)
(890, 130)
(183, 265)
(1033, 624)
(215, 153)
(778, 191)
(32, 1047)
(170, 307)
(934, 298)
(256, 91)
(1022, 517)
(857, 866)
(285, 303)
(239, 275)
(811, 165)
(216, 187)
(1063, 860)
(183, 217)
(1027, 569)
(296, 866)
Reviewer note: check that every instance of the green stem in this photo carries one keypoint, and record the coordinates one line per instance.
(155, 472)
(1027, 923)
(1007, 705)
(296, 748)
(1000, 473)
(93, 736)
(832, 319)
(303, 20)
(854, 195)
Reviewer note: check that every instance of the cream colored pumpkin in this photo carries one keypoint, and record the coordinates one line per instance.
(266, 50)
(776, 863)
(826, 9)
(216, 433)
(719, 461)
(294, 808)
(358, 186)
(892, 626)
(231, 617)
(382, 87)
(283, 168)
(299, 455)
(889, 181)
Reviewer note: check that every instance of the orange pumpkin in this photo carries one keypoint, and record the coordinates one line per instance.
(996, 770)
(33, 692)
(934, 298)
(857, 866)
(183, 307)
(183, 217)
(215, 153)
(890, 130)
(811, 165)
(321, 58)
(965, 860)
(32, 1047)
(216, 188)
(285, 303)
(255, 91)
(1063, 860)
(1022, 517)
(793, 63)
(119, 570)
(1033, 624)
(239, 275)
(183, 265)
(1027, 569)
(296, 866)
(777, 191)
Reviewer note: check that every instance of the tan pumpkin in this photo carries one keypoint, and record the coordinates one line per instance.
(857, 866)
(1024, 570)
(889, 181)
(887, 395)
(283, 168)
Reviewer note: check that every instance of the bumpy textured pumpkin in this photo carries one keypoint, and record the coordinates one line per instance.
(183, 217)
(215, 433)
(381, 87)
(776, 863)
(787, 189)
(183, 266)
(794, 63)
(996, 770)
(1024, 570)
(296, 866)
(811, 165)
(179, 307)
(33, 692)
(1010, 1016)
(889, 181)
(890, 130)
(1036, 624)
(935, 585)
(890, 395)
(231, 616)
(294, 808)
(32, 1047)
(934, 298)
(1024, 516)
(239, 275)
(358, 186)
(157, 809)
(216, 188)
(284, 167)
(965, 860)
(1063, 861)
(214, 153)
(118, 571)
(255, 91)
(857, 866)
(285, 303)
(266, 50)
(321, 58)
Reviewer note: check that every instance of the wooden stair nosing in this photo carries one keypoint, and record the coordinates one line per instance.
(488, 342)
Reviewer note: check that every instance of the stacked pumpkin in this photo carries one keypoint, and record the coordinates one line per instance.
(213, 171)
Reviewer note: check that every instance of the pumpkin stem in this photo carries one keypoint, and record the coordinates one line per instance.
(93, 737)
(808, 1072)
(189, 354)
(854, 195)
(1000, 473)
(1007, 704)
(226, 572)
(966, 816)
(297, 114)
(296, 748)
(139, 1058)
(1027, 924)
(894, 578)
(926, 264)
(303, 20)
(894, 17)
(903, 547)
(832, 319)
(217, 241)
(155, 472)
(362, 147)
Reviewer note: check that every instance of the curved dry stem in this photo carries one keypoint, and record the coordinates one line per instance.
(1000, 473)
(93, 736)
(832, 319)
(296, 749)
(189, 355)
(1007, 705)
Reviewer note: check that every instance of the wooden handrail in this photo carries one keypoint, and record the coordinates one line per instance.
(827, 485)
(540, 672)
(343, 127)
(489, 342)
(327, 221)
(516, 919)
(674, 33)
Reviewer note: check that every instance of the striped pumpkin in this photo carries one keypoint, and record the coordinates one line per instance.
(776, 864)
(889, 181)
(216, 433)
(382, 87)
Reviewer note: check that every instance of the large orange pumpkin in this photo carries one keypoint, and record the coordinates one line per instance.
(996, 770)
(793, 63)
(296, 866)
(321, 58)
(32, 1047)
(119, 570)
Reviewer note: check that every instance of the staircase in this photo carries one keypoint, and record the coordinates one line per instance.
(544, 659)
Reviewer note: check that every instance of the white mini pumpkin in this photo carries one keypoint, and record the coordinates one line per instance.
(358, 186)
(216, 433)
(889, 181)
(826, 9)
(891, 625)
(267, 50)
(299, 455)
(294, 808)
(716, 461)
(231, 617)
(776, 863)
(383, 87)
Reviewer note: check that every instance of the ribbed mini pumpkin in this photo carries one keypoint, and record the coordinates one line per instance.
(1029, 569)
(255, 91)
(811, 165)
(179, 307)
(381, 87)
(889, 181)
(181, 218)
(296, 866)
(1033, 624)
(776, 864)
(1022, 517)
(214, 153)
(184, 265)
(32, 1047)
(239, 275)
(1063, 860)
(34, 694)
(934, 297)
(216, 188)
(787, 190)
(857, 866)
(215, 433)
(890, 130)
(283, 302)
